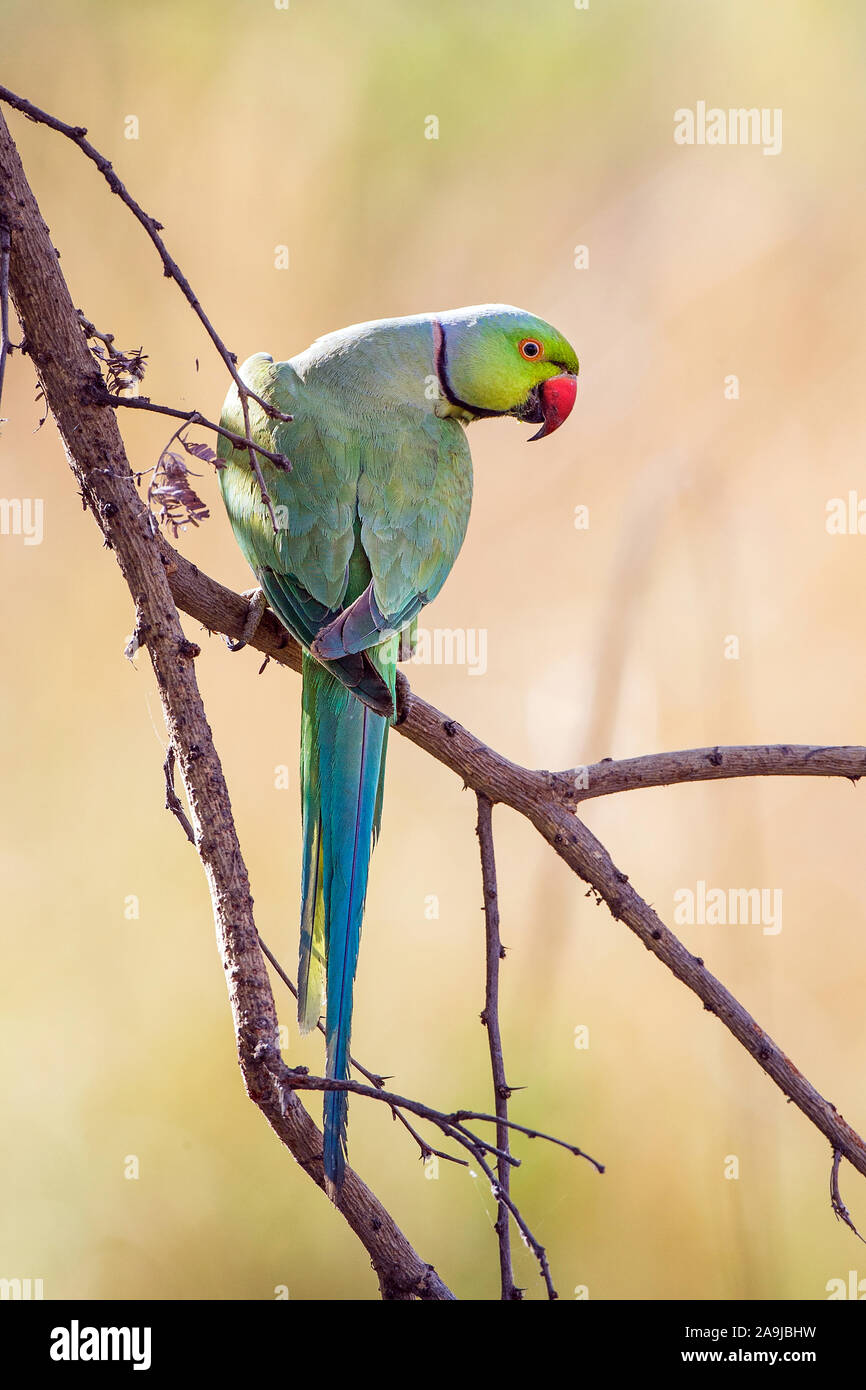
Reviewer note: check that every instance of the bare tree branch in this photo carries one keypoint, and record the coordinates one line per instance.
(709, 765)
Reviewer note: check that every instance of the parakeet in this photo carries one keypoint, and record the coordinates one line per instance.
(369, 523)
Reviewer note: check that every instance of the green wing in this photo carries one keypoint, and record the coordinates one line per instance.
(308, 555)
(414, 496)
(370, 519)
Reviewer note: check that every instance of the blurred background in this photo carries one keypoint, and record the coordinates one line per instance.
(716, 306)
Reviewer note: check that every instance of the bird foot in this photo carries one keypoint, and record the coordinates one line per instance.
(256, 605)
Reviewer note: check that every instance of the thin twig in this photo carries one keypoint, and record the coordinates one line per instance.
(479, 1148)
(427, 1151)
(191, 417)
(91, 331)
(451, 1123)
(372, 1077)
(494, 953)
(534, 1245)
(124, 370)
(460, 1115)
(840, 1211)
(172, 271)
(172, 800)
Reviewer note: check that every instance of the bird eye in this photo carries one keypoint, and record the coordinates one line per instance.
(530, 348)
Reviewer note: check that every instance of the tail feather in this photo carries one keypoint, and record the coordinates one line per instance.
(380, 790)
(311, 976)
(343, 747)
(311, 972)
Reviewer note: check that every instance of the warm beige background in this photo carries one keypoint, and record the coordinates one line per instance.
(260, 127)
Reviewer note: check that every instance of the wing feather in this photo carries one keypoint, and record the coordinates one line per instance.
(370, 518)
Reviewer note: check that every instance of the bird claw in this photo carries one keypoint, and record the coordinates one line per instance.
(256, 605)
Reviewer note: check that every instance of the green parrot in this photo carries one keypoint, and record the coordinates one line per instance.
(369, 523)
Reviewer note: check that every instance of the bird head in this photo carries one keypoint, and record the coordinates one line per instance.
(496, 360)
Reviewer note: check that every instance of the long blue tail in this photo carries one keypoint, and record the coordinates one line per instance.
(343, 746)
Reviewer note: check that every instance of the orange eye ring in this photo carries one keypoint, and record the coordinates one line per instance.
(530, 349)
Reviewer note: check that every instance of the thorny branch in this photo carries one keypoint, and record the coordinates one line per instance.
(494, 952)
(448, 1123)
(453, 1126)
(375, 1080)
(546, 799)
(452, 1122)
(708, 765)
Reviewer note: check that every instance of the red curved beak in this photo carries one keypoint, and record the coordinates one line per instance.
(556, 398)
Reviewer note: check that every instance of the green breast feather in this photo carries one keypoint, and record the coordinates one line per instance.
(387, 500)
